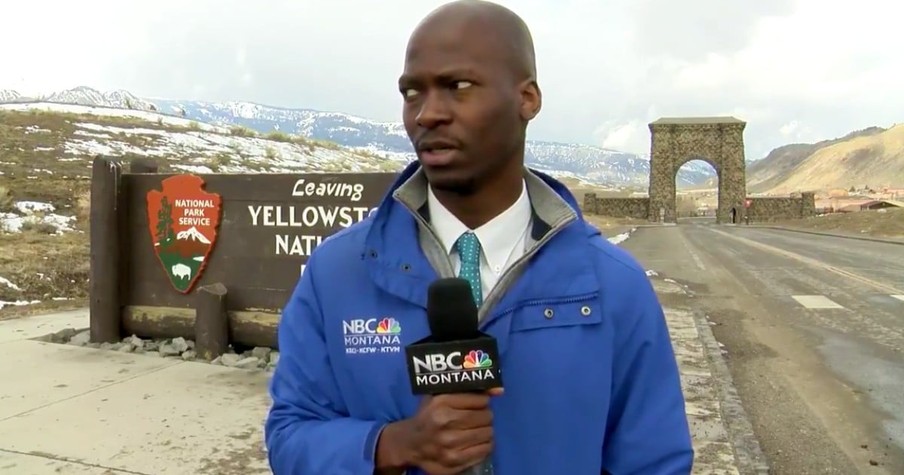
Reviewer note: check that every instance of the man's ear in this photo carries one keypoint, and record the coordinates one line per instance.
(531, 100)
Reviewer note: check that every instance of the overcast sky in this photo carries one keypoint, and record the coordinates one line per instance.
(795, 70)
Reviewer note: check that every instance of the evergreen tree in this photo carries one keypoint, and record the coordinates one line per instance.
(165, 232)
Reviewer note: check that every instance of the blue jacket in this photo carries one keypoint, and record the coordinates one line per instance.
(591, 381)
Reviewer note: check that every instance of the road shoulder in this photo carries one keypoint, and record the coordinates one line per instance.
(830, 234)
(724, 440)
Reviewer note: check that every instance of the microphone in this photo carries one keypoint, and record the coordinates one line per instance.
(456, 357)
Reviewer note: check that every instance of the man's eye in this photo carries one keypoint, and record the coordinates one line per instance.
(409, 92)
(463, 84)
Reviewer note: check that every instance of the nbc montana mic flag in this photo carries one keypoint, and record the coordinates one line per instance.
(453, 366)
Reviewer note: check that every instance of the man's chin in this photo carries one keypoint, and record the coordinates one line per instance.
(446, 182)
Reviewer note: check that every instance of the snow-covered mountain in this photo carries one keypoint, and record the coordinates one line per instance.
(586, 162)
(192, 234)
(85, 96)
(7, 95)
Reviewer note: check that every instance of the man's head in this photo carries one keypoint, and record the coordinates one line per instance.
(469, 89)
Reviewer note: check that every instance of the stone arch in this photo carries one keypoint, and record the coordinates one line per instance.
(718, 141)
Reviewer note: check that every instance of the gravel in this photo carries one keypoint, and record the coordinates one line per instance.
(257, 358)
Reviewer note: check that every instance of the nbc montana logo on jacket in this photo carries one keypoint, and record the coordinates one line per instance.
(372, 335)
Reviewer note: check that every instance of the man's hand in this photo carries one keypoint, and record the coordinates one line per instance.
(449, 433)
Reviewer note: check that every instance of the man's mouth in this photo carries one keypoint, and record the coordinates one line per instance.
(437, 154)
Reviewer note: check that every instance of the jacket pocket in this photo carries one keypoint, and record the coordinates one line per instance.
(565, 312)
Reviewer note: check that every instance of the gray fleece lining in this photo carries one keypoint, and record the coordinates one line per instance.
(550, 214)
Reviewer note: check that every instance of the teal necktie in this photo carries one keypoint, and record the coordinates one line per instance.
(468, 247)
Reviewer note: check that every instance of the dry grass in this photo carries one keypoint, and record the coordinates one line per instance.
(888, 224)
(36, 166)
(45, 267)
(874, 161)
(609, 222)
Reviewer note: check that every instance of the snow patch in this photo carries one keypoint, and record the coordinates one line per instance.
(35, 213)
(18, 303)
(619, 238)
(8, 283)
(108, 112)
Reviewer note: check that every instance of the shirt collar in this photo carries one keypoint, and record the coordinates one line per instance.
(497, 237)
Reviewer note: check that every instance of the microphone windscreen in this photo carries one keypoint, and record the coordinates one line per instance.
(451, 311)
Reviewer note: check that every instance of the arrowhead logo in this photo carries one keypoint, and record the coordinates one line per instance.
(183, 220)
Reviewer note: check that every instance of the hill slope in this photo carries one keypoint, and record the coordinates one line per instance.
(388, 139)
(781, 163)
(873, 157)
(46, 152)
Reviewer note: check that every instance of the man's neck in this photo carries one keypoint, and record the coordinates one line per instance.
(480, 207)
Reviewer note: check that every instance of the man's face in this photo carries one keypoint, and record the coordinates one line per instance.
(462, 107)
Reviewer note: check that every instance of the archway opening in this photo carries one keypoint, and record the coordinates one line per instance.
(696, 192)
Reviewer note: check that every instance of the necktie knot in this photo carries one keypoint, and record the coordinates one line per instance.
(468, 247)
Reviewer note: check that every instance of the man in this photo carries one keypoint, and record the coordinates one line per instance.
(591, 381)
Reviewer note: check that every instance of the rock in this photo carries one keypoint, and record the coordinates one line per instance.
(135, 342)
(180, 344)
(261, 353)
(81, 339)
(167, 349)
(247, 363)
(64, 335)
(254, 359)
(229, 359)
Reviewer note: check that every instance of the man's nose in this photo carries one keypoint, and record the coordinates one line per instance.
(434, 110)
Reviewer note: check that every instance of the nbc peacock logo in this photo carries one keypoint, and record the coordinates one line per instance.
(388, 326)
(477, 359)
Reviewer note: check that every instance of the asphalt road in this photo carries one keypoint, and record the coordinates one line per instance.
(813, 334)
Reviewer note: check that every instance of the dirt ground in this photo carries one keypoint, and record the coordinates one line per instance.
(46, 267)
(607, 222)
(888, 223)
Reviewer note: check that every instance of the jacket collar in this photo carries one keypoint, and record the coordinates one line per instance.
(397, 262)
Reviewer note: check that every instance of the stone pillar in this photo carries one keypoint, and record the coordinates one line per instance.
(662, 175)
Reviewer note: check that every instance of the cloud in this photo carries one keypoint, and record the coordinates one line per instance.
(606, 68)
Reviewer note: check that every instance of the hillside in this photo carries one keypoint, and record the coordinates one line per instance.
(870, 160)
(873, 158)
(45, 163)
(605, 167)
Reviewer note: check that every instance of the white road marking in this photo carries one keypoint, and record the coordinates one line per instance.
(899, 297)
(813, 262)
(815, 301)
(693, 254)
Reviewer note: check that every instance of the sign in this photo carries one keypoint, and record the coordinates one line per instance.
(314, 208)
(183, 220)
(264, 227)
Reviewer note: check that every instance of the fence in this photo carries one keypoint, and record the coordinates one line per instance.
(211, 257)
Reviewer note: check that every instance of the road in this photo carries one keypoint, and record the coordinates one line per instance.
(813, 335)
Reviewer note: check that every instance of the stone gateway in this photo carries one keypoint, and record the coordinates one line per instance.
(718, 141)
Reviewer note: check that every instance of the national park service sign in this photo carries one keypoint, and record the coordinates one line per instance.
(183, 220)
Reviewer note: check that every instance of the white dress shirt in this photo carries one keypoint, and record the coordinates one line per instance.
(502, 239)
